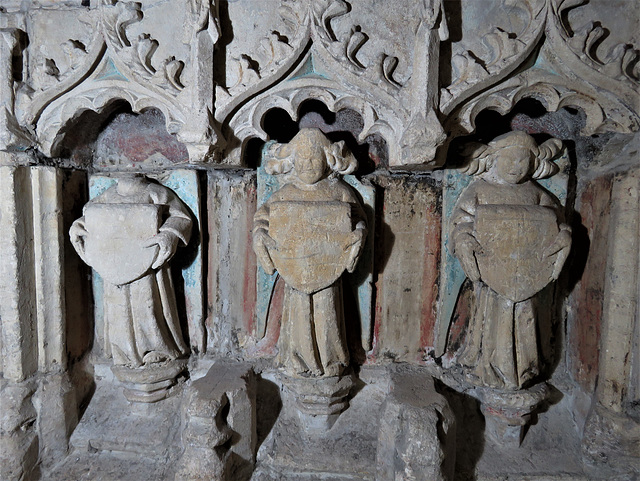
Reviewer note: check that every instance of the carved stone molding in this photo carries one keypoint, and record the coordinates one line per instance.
(417, 72)
(289, 96)
(480, 62)
(565, 68)
(317, 52)
(12, 135)
(111, 56)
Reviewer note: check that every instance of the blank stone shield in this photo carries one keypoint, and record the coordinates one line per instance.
(311, 242)
(513, 238)
(117, 234)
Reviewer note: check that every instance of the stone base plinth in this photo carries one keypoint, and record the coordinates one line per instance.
(320, 401)
(393, 421)
(219, 425)
(611, 444)
(507, 413)
(149, 384)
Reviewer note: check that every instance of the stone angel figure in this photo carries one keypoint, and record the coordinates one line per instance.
(311, 230)
(128, 234)
(508, 234)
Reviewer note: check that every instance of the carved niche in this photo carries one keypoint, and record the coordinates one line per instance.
(120, 50)
(346, 55)
(128, 235)
(312, 230)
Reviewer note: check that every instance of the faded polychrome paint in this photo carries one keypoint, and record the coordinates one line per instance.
(185, 184)
(407, 261)
(587, 300)
(451, 275)
(361, 280)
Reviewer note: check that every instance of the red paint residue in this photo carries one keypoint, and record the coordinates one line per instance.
(266, 347)
(250, 266)
(377, 323)
(430, 278)
(588, 296)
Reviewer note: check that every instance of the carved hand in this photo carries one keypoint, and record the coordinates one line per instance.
(356, 243)
(167, 244)
(262, 242)
(466, 249)
(560, 245)
(77, 234)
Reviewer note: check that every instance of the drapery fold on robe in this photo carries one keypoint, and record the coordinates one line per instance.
(141, 322)
(313, 333)
(500, 347)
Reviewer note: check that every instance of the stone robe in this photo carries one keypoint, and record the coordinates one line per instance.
(312, 335)
(141, 318)
(500, 348)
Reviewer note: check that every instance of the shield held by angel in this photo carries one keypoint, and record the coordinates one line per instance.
(509, 235)
(311, 230)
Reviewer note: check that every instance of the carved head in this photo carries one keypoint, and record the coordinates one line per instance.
(513, 158)
(311, 156)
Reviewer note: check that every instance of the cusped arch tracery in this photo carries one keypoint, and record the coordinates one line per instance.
(61, 114)
(248, 122)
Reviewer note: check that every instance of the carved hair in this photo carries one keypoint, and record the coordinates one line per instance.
(338, 158)
(276, 163)
(483, 156)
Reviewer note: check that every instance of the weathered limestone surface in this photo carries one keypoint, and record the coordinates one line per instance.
(177, 90)
(507, 232)
(231, 205)
(346, 451)
(417, 435)
(407, 259)
(19, 447)
(17, 301)
(128, 234)
(38, 401)
(612, 431)
(312, 230)
(595, 208)
(510, 242)
(219, 425)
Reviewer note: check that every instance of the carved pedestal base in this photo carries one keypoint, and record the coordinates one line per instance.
(149, 384)
(320, 401)
(507, 413)
(219, 425)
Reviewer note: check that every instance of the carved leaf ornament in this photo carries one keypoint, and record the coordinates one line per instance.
(334, 51)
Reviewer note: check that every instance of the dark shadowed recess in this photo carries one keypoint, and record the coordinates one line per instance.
(343, 125)
(119, 132)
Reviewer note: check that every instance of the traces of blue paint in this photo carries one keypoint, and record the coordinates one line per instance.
(363, 274)
(185, 184)
(267, 185)
(110, 72)
(542, 64)
(451, 274)
(557, 184)
(308, 69)
(97, 185)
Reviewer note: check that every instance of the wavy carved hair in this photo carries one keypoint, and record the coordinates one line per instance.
(483, 156)
(339, 159)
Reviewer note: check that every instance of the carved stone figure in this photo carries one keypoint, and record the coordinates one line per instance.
(508, 236)
(128, 234)
(311, 231)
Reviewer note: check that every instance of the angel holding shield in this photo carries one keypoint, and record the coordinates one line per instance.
(311, 230)
(128, 234)
(508, 235)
